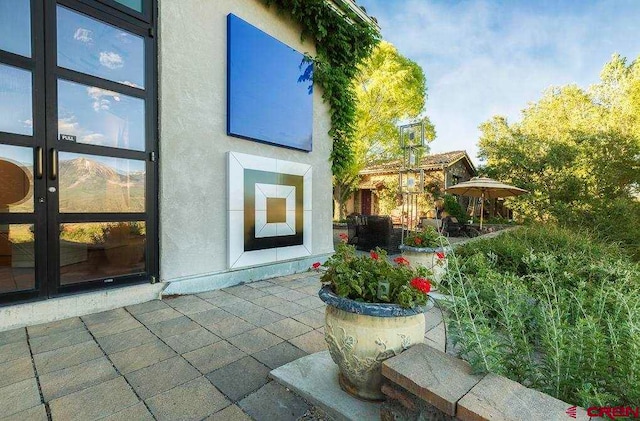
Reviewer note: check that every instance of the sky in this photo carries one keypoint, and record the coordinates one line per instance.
(484, 58)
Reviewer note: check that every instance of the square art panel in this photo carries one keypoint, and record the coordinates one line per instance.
(269, 208)
(269, 88)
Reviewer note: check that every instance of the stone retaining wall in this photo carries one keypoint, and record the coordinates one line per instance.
(423, 383)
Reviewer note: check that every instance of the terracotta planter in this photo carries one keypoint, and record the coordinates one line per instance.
(427, 257)
(362, 335)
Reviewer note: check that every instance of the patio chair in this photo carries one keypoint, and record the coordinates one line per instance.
(452, 228)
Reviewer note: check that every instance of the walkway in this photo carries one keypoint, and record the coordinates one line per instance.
(204, 356)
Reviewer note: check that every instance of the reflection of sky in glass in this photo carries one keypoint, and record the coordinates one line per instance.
(15, 100)
(267, 99)
(15, 27)
(100, 117)
(90, 46)
(134, 4)
(18, 155)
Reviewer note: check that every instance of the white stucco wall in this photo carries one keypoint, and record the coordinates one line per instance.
(193, 141)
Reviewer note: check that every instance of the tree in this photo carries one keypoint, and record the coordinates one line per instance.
(389, 88)
(577, 152)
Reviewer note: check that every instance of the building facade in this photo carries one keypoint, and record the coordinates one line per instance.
(378, 182)
(137, 158)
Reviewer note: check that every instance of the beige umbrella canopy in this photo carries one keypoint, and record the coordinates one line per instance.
(485, 187)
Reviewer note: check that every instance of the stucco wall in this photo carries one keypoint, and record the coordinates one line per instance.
(193, 140)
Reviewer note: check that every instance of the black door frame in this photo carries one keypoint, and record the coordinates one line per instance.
(45, 74)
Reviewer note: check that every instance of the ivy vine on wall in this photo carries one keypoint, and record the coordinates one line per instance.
(340, 45)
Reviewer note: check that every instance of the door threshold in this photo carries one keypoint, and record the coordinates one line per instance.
(77, 304)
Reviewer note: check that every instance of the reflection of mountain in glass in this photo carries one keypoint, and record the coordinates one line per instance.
(87, 185)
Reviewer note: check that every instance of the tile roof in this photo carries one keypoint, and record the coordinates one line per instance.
(429, 162)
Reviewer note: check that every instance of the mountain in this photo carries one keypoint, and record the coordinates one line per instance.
(86, 185)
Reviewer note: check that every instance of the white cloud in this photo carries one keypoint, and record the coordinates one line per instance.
(101, 101)
(83, 35)
(111, 60)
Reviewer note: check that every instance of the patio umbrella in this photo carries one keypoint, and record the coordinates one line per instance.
(485, 187)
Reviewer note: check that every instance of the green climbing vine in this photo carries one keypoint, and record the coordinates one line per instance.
(340, 45)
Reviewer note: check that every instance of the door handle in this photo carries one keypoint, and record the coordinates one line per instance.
(54, 164)
(39, 162)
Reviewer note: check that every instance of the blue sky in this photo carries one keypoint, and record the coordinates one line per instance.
(483, 58)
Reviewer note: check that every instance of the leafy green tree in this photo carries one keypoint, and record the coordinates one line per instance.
(389, 89)
(578, 153)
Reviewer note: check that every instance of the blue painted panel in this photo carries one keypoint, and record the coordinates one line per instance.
(269, 92)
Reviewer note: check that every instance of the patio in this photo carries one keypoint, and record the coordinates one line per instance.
(204, 356)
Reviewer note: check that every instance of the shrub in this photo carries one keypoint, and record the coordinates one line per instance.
(453, 208)
(551, 309)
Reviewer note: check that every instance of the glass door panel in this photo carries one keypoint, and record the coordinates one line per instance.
(17, 258)
(96, 116)
(90, 46)
(99, 184)
(101, 251)
(16, 179)
(15, 27)
(16, 109)
(132, 4)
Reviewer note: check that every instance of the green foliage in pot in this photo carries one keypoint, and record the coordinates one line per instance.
(428, 237)
(374, 279)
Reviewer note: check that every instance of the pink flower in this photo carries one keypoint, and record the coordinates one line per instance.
(344, 237)
(440, 255)
(401, 261)
(316, 265)
(374, 255)
(421, 284)
(418, 240)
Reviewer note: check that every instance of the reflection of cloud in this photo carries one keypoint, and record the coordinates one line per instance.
(99, 101)
(27, 123)
(83, 35)
(111, 60)
(67, 125)
(70, 126)
(133, 85)
(93, 138)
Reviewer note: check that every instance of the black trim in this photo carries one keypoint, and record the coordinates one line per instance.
(89, 149)
(251, 242)
(16, 60)
(17, 218)
(67, 218)
(98, 82)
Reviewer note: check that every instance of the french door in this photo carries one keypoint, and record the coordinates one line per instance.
(78, 200)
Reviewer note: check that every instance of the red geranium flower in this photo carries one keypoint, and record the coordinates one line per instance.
(440, 255)
(316, 265)
(374, 255)
(421, 284)
(401, 261)
(418, 240)
(344, 237)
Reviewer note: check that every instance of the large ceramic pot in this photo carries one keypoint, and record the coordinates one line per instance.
(428, 257)
(362, 335)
